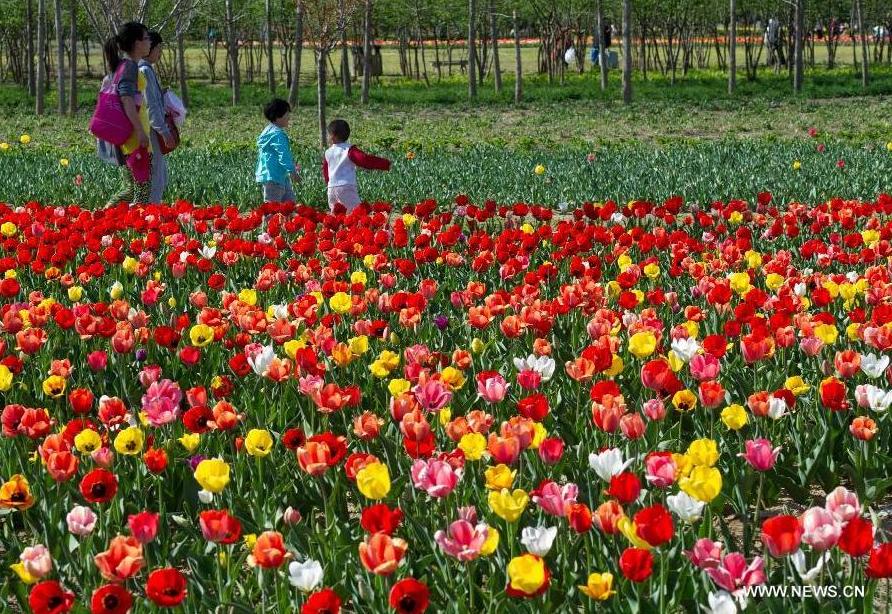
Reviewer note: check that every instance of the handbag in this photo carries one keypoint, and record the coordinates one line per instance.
(109, 122)
(174, 132)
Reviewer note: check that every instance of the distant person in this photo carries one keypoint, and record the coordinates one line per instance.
(132, 40)
(339, 166)
(275, 167)
(153, 105)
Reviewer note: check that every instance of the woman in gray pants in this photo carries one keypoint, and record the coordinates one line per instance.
(154, 101)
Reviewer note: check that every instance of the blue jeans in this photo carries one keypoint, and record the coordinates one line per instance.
(277, 193)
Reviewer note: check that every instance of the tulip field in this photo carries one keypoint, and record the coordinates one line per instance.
(641, 406)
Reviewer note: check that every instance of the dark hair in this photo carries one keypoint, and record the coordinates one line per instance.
(155, 38)
(125, 40)
(339, 129)
(275, 109)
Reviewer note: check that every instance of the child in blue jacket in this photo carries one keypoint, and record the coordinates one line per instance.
(274, 162)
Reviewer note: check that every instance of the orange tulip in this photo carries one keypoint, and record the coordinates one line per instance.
(122, 560)
(607, 516)
(504, 450)
(269, 550)
(380, 553)
(847, 363)
(16, 493)
(863, 428)
(314, 457)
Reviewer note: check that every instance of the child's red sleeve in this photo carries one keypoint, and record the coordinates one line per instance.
(325, 170)
(368, 161)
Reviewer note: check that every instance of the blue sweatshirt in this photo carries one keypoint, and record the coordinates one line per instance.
(274, 162)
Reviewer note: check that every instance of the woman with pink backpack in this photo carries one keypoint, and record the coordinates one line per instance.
(122, 132)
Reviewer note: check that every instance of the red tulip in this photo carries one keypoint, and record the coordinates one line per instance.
(325, 601)
(166, 587)
(409, 596)
(636, 564)
(143, 526)
(111, 599)
(99, 486)
(654, 525)
(625, 487)
(782, 535)
(857, 537)
(219, 526)
(880, 563)
(380, 518)
(49, 597)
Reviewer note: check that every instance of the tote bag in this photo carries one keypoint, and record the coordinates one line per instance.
(109, 122)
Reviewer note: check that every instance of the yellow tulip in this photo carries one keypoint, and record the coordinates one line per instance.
(703, 452)
(642, 344)
(258, 443)
(5, 378)
(704, 483)
(340, 302)
(508, 505)
(499, 477)
(248, 296)
(373, 481)
(212, 474)
(473, 445)
(129, 441)
(734, 417)
(201, 335)
(599, 586)
(526, 573)
(54, 386)
(87, 441)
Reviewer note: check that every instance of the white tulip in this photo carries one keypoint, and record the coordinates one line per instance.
(608, 463)
(305, 576)
(685, 507)
(873, 366)
(538, 540)
(720, 602)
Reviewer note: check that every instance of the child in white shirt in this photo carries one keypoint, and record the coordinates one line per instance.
(339, 166)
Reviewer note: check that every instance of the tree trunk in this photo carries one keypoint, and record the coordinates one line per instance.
(270, 69)
(345, 59)
(366, 52)
(627, 51)
(41, 65)
(494, 30)
(293, 97)
(472, 49)
(72, 62)
(732, 48)
(321, 95)
(518, 67)
(863, 34)
(235, 80)
(799, 15)
(181, 67)
(602, 51)
(32, 87)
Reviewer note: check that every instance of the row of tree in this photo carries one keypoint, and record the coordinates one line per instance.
(265, 38)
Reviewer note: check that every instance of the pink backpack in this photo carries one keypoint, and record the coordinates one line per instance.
(110, 122)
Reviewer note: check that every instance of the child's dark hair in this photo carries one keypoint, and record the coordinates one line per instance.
(275, 109)
(125, 40)
(156, 39)
(339, 129)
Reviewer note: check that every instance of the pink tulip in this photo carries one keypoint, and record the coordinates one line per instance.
(37, 560)
(843, 504)
(291, 516)
(81, 520)
(493, 388)
(861, 392)
(463, 539)
(432, 395)
(706, 554)
(437, 478)
(143, 526)
(820, 528)
(97, 360)
(654, 409)
(733, 573)
(811, 345)
(555, 499)
(704, 366)
(660, 470)
(103, 457)
(760, 455)
(161, 402)
(149, 375)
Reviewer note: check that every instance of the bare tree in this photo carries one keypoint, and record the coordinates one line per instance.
(602, 49)
(270, 69)
(232, 53)
(183, 21)
(494, 32)
(60, 57)
(732, 48)
(72, 59)
(799, 21)
(41, 65)
(863, 35)
(326, 20)
(627, 51)
(518, 66)
(298, 53)
(345, 59)
(32, 89)
(366, 52)
(472, 49)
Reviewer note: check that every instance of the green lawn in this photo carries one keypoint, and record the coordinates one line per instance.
(690, 138)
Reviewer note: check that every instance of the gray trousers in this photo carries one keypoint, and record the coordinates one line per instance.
(159, 172)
